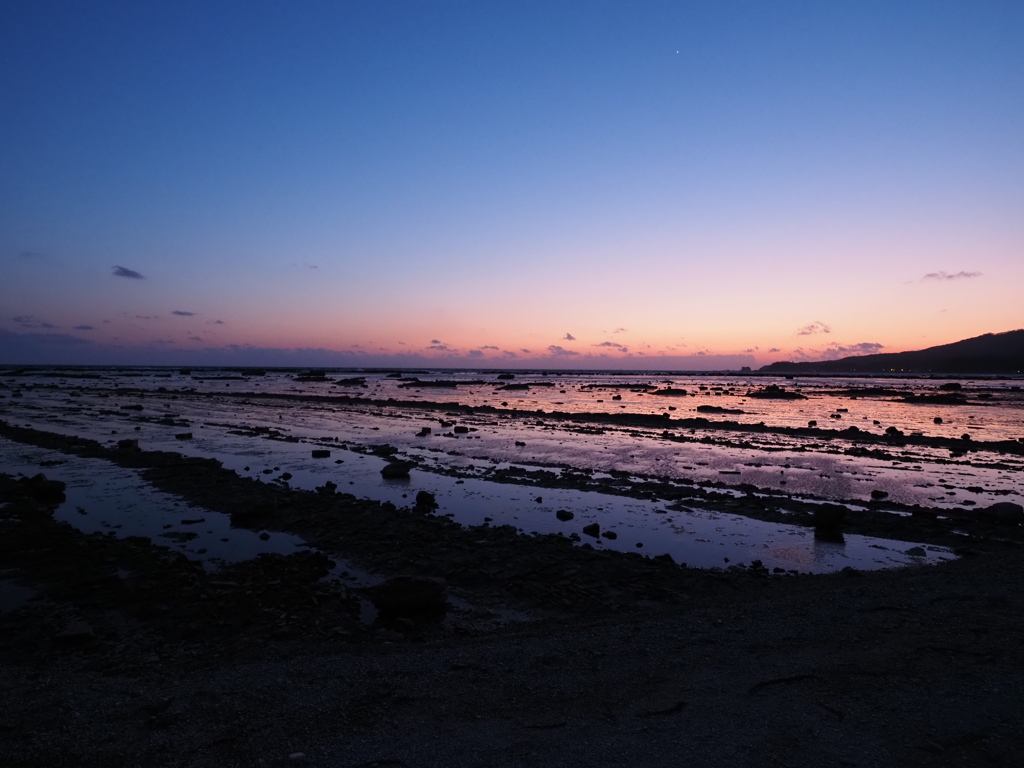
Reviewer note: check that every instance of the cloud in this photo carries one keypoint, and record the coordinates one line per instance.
(194, 338)
(525, 351)
(83, 328)
(435, 341)
(557, 351)
(182, 313)
(773, 350)
(489, 346)
(835, 351)
(508, 354)
(31, 255)
(475, 353)
(441, 347)
(816, 327)
(620, 347)
(131, 274)
(948, 276)
(568, 337)
(30, 321)
(618, 330)
(219, 322)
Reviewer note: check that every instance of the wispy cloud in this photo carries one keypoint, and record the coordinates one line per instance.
(182, 313)
(83, 328)
(131, 274)
(475, 353)
(31, 321)
(489, 346)
(835, 351)
(568, 337)
(556, 351)
(816, 327)
(950, 276)
(619, 330)
(620, 347)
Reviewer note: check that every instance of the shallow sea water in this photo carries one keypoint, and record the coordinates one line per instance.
(228, 428)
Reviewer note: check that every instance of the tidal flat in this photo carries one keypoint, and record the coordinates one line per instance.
(541, 567)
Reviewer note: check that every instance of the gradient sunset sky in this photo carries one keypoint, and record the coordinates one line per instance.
(689, 185)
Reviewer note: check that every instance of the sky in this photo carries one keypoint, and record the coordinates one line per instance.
(687, 185)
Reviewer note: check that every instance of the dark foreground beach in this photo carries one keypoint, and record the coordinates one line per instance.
(135, 655)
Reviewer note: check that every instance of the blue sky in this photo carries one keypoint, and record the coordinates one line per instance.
(681, 180)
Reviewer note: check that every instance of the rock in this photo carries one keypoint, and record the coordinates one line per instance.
(916, 552)
(183, 436)
(129, 446)
(877, 494)
(812, 423)
(1003, 512)
(423, 432)
(564, 515)
(396, 469)
(718, 409)
(461, 430)
(425, 500)
(775, 392)
(42, 489)
(937, 419)
(75, 633)
(592, 530)
(264, 536)
(412, 596)
(610, 535)
(830, 517)
(321, 453)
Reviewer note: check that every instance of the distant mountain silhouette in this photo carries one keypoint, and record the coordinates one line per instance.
(991, 353)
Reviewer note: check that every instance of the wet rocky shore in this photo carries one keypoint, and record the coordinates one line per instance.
(482, 646)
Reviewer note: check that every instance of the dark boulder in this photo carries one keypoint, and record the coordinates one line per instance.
(1004, 512)
(564, 515)
(321, 453)
(425, 500)
(44, 490)
(396, 469)
(592, 530)
(829, 517)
